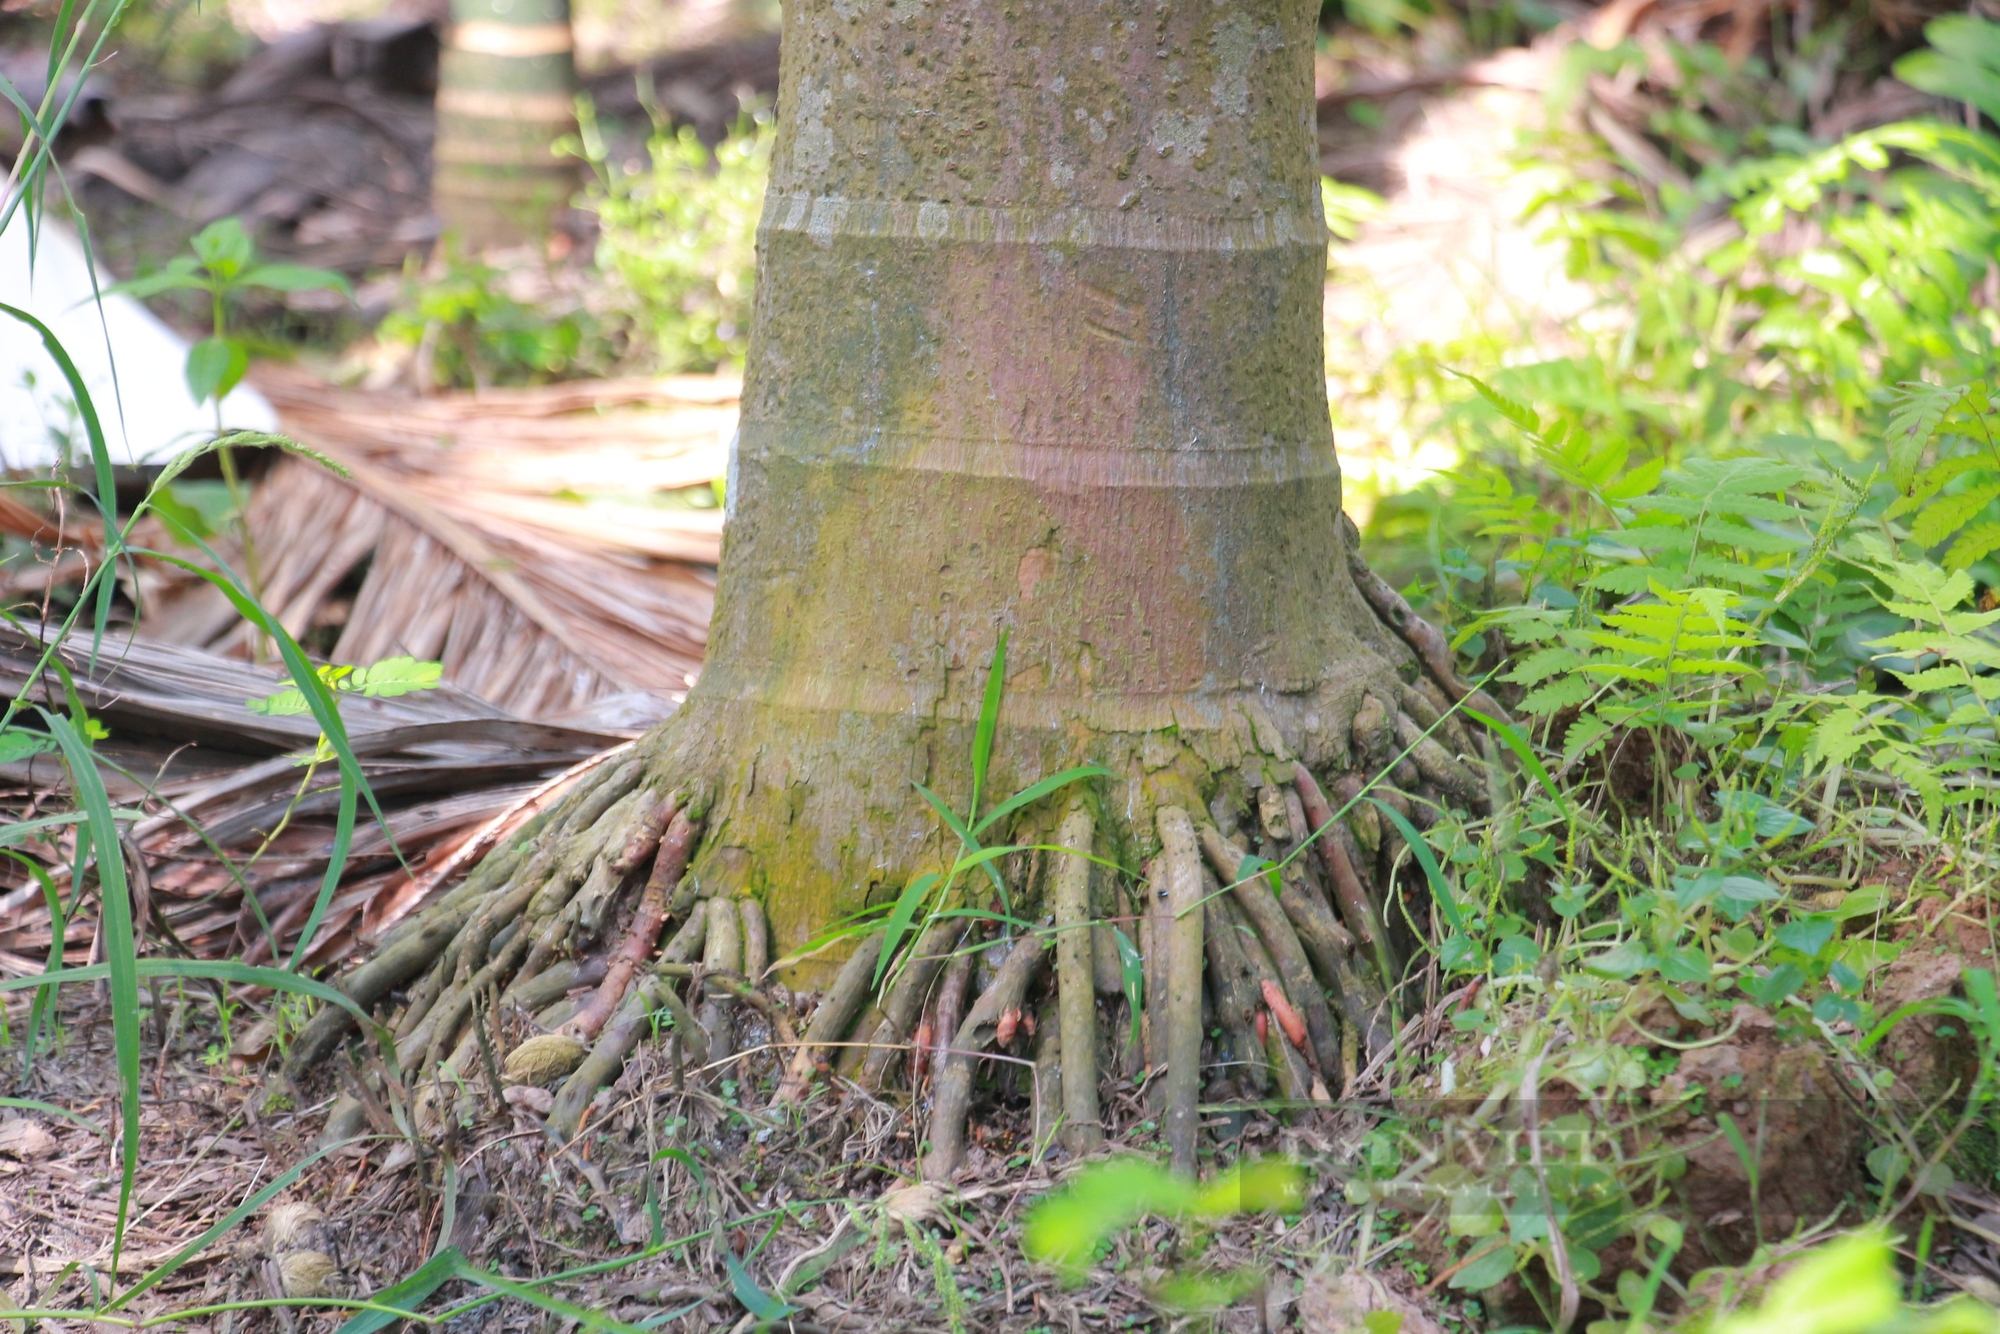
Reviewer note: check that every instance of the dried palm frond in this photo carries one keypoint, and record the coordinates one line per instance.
(228, 810)
(553, 547)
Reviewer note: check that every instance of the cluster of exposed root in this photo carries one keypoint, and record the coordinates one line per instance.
(1259, 928)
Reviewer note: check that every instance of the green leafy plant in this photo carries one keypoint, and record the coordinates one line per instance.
(224, 265)
(677, 239)
(1070, 1229)
(1846, 1286)
(468, 327)
(382, 680)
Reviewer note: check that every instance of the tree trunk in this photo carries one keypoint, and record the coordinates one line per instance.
(506, 93)
(1037, 351)
(1037, 348)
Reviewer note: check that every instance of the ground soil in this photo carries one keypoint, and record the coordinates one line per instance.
(733, 1185)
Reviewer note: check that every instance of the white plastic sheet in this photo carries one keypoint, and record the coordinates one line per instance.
(147, 411)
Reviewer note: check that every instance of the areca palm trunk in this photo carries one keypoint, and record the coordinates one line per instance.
(506, 93)
(1037, 348)
(1036, 354)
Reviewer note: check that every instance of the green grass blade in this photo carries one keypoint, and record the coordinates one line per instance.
(325, 708)
(1517, 743)
(50, 1109)
(167, 1268)
(10, 834)
(1734, 1134)
(219, 970)
(114, 901)
(343, 843)
(1029, 795)
(989, 720)
(38, 1010)
(965, 836)
(542, 1301)
(100, 456)
(1421, 850)
(407, 1294)
(900, 917)
(1132, 973)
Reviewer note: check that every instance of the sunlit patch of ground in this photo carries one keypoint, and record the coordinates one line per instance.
(1449, 260)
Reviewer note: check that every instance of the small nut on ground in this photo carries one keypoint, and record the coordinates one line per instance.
(293, 1227)
(543, 1059)
(307, 1273)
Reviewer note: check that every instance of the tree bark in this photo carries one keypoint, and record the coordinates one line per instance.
(506, 93)
(1037, 349)
(1037, 354)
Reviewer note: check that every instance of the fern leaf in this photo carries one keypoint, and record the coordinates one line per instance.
(1933, 679)
(1520, 414)
(1933, 480)
(1585, 735)
(1947, 514)
(1544, 663)
(1974, 543)
(1563, 693)
(1727, 532)
(1624, 579)
(1913, 420)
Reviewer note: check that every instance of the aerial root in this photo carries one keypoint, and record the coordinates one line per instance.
(1076, 991)
(835, 1015)
(901, 1009)
(952, 1086)
(1425, 640)
(1260, 920)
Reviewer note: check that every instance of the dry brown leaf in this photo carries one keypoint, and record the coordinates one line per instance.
(26, 1140)
(212, 774)
(554, 548)
(1341, 1304)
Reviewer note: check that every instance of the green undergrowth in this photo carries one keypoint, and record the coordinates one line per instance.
(1759, 694)
(1729, 558)
(1768, 296)
(666, 286)
(1730, 565)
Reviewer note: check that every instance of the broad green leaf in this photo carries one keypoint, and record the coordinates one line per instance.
(223, 247)
(395, 676)
(1065, 1228)
(1488, 1269)
(1951, 76)
(17, 743)
(1845, 1287)
(214, 366)
(180, 274)
(407, 1294)
(1264, 1185)
(295, 278)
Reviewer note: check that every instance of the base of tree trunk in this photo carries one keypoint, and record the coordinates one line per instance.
(631, 906)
